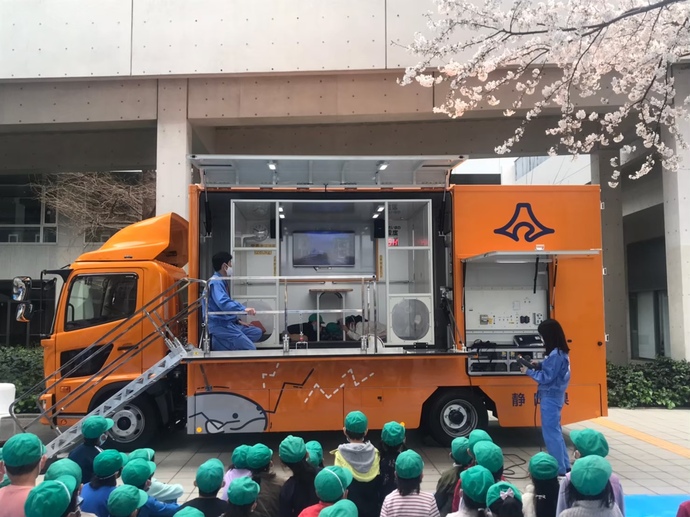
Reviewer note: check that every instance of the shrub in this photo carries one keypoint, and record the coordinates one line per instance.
(659, 383)
(23, 367)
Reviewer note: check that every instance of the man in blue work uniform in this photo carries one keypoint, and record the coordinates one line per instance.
(227, 331)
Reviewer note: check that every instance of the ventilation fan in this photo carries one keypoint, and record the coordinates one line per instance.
(410, 319)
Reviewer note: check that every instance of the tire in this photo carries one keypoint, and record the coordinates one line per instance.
(455, 413)
(136, 425)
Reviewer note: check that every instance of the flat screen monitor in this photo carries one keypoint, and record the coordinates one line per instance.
(323, 249)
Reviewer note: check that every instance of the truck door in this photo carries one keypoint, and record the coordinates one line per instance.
(93, 304)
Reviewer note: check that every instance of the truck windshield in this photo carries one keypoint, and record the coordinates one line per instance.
(100, 298)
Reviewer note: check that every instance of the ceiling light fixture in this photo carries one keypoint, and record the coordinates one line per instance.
(282, 216)
(382, 166)
(272, 165)
(375, 216)
(280, 209)
(381, 208)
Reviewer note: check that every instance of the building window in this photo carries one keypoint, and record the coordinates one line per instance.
(99, 235)
(525, 164)
(24, 218)
(649, 324)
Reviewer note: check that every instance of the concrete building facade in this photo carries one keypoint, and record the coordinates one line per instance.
(116, 85)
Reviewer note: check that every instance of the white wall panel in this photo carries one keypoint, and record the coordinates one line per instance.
(87, 101)
(236, 36)
(64, 38)
(403, 19)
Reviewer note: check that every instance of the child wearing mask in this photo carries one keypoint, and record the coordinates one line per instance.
(237, 469)
(259, 460)
(589, 493)
(138, 473)
(55, 497)
(361, 458)
(392, 444)
(475, 437)
(589, 442)
(446, 484)
(476, 482)
(106, 469)
(162, 491)
(94, 430)
(23, 457)
(66, 467)
(541, 497)
(298, 492)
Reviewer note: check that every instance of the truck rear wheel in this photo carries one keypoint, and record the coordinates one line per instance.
(136, 424)
(455, 413)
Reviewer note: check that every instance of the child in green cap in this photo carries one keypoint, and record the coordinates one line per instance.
(106, 469)
(408, 500)
(298, 491)
(476, 482)
(237, 469)
(315, 453)
(589, 493)
(445, 488)
(259, 460)
(94, 429)
(23, 457)
(209, 481)
(490, 455)
(540, 498)
(54, 497)
(392, 444)
(126, 501)
(243, 498)
(343, 508)
(475, 437)
(138, 473)
(504, 500)
(361, 458)
(164, 492)
(331, 485)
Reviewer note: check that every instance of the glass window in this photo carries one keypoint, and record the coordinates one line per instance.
(99, 235)
(97, 299)
(24, 218)
(649, 326)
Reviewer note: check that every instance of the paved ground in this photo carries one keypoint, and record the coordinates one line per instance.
(650, 451)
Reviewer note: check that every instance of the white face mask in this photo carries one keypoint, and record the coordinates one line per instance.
(102, 439)
(228, 271)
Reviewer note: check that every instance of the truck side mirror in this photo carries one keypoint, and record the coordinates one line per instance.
(21, 287)
(24, 312)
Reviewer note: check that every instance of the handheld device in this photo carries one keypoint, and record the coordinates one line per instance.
(524, 362)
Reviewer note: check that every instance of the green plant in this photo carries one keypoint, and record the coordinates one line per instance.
(663, 382)
(23, 367)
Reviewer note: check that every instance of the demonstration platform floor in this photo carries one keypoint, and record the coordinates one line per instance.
(649, 450)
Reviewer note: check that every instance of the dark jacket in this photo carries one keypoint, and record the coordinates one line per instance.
(296, 495)
(445, 489)
(268, 502)
(388, 483)
(83, 455)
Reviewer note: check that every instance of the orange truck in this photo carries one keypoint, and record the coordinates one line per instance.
(456, 279)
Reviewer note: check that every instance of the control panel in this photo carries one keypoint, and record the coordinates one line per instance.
(501, 360)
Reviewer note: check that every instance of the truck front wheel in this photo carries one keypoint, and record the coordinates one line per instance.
(455, 413)
(136, 424)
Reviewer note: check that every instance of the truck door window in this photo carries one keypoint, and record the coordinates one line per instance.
(98, 299)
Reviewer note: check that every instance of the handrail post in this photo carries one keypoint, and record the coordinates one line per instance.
(286, 334)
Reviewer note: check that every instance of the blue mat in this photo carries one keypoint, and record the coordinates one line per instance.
(653, 505)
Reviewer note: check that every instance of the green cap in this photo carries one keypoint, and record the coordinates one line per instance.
(138, 472)
(356, 422)
(312, 318)
(458, 450)
(343, 508)
(108, 463)
(22, 449)
(64, 467)
(590, 442)
(243, 491)
(331, 482)
(489, 455)
(142, 454)
(590, 475)
(259, 456)
(94, 426)
(543, 466)
(409, 465)
(332, 328)
(315, 452)
(476, 436)
(50, 498)
(292, 449)
(209, 476)
(393, 434)
(499, 490)
(189, 511)
(476, 482)
(125, 499)
(239, 456)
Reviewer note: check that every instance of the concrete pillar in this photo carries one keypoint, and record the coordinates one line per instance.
(677, 229)
(173, 146)
(615, 280)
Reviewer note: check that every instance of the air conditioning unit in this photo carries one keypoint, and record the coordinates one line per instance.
(411, 319)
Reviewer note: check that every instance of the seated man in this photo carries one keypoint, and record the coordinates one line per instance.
(355, 327)
(227, 331)
(308, 329)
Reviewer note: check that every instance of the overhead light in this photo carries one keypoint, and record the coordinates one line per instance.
(375, 216)
(381, 208)
(382, 166)
(272, 165)
(280, 209)
(282, 216)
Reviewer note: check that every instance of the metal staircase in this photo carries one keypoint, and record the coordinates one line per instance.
(153, 312)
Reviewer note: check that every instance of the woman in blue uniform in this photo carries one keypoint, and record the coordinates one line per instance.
(553, 376)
